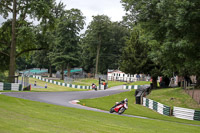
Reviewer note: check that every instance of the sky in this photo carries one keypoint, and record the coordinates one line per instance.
(112, 8)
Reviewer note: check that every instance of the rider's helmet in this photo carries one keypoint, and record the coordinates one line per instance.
(126, 100)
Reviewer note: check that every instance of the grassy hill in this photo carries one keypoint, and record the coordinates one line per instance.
(24, 116)
(174, 97)
(105, 103)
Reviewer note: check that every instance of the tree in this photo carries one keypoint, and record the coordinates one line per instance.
(97, 33)
(23, 63)
(112, 41)
(21, 10)
(26, 35)
(102, 43)
(65, 51)
(118, 35)
(135, 57)
(5, 33)
(174, 26)
(180, 48)
(47, 37)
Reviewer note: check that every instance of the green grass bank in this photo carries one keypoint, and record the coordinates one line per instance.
(24, 116)
(105, 103)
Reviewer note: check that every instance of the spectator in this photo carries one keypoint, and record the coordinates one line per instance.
(138, 77)
(104, 84)
(45, 85)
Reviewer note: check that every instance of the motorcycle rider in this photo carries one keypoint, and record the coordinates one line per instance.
(94, 87)
(120, 107)
(122, 102)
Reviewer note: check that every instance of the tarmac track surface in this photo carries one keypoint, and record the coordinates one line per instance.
(68, 99)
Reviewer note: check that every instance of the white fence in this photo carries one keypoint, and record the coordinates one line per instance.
(10, 86)
(156, 106)
(178, 112)
(188, 114)
(133, 86)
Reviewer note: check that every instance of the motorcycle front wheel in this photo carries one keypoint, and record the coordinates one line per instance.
(121, 111)
(111, 110)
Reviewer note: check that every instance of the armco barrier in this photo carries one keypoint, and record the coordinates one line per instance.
(10, 86)
(62, 84)
(185, 113)
(158, 107)
(133, 86)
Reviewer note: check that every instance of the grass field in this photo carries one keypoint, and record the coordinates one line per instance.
(140, 83)
(24, 116)
(83, 82)
(105, 103)
(50, 86)
(88, 82)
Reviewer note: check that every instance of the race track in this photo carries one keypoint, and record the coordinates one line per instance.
(66, 98)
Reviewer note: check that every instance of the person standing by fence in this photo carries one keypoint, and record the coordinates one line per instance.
(104, 85)
(35, 83)
(45, 85)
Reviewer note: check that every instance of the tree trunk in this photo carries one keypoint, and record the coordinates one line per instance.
(68, 71)
(50, 71)
(13, 46)
(154, 81)
(62, 73)
(198, 81)
(97, 58)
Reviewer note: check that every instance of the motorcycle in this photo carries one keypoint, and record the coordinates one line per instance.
(94, 87)
(120, 107)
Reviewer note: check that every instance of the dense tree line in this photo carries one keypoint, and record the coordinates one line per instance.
(55, 41)
(171, 28)
(156, 37)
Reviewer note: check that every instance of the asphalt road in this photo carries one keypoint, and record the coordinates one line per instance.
(66, 98)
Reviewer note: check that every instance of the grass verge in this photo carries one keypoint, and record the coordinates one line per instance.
(89, 81)
(19, 115)
(140, 83)
(174, 97)
(51, 87)
(105, 103)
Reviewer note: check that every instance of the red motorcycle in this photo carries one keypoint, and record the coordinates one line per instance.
(120, 107)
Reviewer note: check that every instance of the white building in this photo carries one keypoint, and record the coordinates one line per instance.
(117, 75)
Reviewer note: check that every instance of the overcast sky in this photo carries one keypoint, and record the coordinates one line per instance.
(112, 8)
(89, 8)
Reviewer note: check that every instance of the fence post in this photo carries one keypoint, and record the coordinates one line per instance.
(193, 93)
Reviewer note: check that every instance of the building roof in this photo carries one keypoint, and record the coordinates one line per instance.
(115, 71)
(73, 71)
(35, 71)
